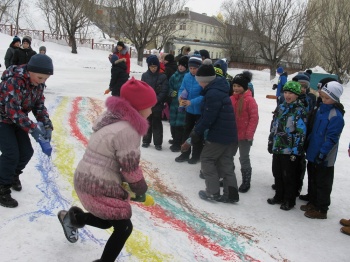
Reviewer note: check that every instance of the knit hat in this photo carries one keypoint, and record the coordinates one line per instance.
(120, 43)
(324, 81)
(195, 61)
(218, 71)
(204, 54)
(170, 58)
(221, 64)
(280, 70)
(40, 63)
(302, 78)
(27, 39)
(242, 80)
(114, 58)
(334, 89)
(206, 72)
(42, 48)
(152, 60)
(15, 39)
(184, 61)
(292, 86)
(139, 94)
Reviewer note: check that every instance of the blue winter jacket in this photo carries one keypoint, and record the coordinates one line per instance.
(325, 134)
(217, 114)
(194, 93)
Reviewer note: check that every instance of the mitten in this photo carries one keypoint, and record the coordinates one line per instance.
(173, 93)
(139, 198)
(107, 91)
(274, 87)
(36, 133)
(195, 138)
(45, 146)
(320, 159)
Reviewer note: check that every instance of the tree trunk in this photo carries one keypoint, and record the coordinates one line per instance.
(273, 67)
(74, 44)
(140, 56)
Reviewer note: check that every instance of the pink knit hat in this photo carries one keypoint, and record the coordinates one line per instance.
(139, 94)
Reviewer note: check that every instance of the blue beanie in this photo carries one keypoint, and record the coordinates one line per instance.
(280, 70)
(15, 39)
(41, 64)
(302, 78)
(114, 58)
(152, 60)
(221, 64)
(195, 61)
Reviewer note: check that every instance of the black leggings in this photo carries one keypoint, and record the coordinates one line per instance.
(115, 243)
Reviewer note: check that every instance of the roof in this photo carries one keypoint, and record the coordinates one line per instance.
(202, 18)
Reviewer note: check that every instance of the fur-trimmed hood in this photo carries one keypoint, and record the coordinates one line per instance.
(119, 109)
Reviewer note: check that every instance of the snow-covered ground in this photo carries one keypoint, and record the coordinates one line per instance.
(180, 227)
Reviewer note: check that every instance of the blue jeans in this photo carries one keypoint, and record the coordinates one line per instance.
(16, 151)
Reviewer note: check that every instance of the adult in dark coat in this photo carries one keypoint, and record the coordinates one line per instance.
(159, 83)
(22, 55)
(118, 75)
(16, 42)
(170, 65)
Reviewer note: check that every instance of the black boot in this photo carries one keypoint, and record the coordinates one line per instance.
(183, 157)
(5, 197)
(16, 184)
(246, 177)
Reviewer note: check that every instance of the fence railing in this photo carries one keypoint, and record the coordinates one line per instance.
(56, 38)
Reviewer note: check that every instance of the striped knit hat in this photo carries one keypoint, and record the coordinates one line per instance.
(195, 61)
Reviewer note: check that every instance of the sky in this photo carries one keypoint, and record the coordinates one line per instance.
(180, 226)
(208, 7)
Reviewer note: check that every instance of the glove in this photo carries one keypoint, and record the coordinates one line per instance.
(195, 138)
(185, 147)
(269, 147)
(250, 141)
(107, 91)
(45, 146)
(139, 198)
(173, 94)
(292, 157)
(320, 159)
(36, 133)
(274, 87)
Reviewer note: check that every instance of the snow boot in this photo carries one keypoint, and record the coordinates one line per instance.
(246, 177)
(233, 196)
(182, 158)
(315, 214)
(16, 184)
(345, 230)
(345, 222)
(204, 195)
(5, 197)
(70, 224)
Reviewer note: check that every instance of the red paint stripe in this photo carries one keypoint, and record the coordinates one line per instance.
(73, 121)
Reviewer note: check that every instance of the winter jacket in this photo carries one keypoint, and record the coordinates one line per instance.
(251, 88)
(9, 55)
(118, 77)
(325, 133)
(176, 118)
(246, 114)
(111, 157)
(124, 54)
(289, 129)
(194, 93)
(281, 82)
(18, 97)
(22, 56)
(170, 69)
(159, 83)
(217, 114)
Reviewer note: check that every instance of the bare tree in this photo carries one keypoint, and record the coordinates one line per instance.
(143, 21)
(278, 26)
(330, 37)
(5, 6)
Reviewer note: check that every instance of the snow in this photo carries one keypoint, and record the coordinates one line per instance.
(180, 227)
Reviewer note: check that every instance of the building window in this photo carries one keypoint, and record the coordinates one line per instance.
(183, 26)
(202, 29)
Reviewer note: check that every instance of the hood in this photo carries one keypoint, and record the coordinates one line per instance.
(15, 71)
(123, 51)
(219, 83)
(119, 109)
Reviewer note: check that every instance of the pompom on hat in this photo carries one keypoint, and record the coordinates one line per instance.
(333, 89)
(206, 72)
(41, 64)
(293, 87)
(139, 94)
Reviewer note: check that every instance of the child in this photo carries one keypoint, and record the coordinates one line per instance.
(282, 79)
(118, 75)
(247, 118)
(121, 50)
(21, 91)
(42, 50)
(286, 143)
(193, 108)
(218, 120)
(322, 150)
(177, 117)
(159, 83)
(16, 42)
(22, 55)
(111, 157)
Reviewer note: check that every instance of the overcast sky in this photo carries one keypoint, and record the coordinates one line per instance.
(209, 7)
